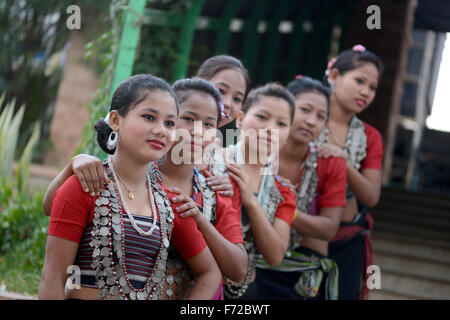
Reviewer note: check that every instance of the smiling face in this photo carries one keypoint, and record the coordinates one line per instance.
(197, 123)
(232, 86)
(310, 117)
(265, 126)
(355, 89)
(147, 130)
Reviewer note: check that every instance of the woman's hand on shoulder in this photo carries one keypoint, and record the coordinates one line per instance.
(90, 172)
(327, 150)
(189, 208)
(219, 183)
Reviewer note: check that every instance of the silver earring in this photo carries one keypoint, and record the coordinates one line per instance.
(112, 140)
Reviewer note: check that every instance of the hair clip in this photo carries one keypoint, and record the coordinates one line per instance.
(330, 66)
(222, 112)
(299, 76)
(359, 48)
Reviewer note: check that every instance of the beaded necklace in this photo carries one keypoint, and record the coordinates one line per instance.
(108, 238)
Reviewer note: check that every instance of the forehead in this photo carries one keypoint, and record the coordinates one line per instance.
(158, 100)
(367, 70)
(233, 78)
(313, 99)
(200, 103)
(277, 107)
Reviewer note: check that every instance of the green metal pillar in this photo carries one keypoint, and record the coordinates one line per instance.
(223, 34)
(273, 41)
(251, 35)
(128, 42)
(186, 39)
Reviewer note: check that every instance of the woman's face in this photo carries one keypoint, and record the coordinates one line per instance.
(232, 86)
(147, 131)
(265, 126)
(310, 116)
(197, 123)
(355, 90)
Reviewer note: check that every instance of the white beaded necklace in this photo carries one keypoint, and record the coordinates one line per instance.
(130, 216)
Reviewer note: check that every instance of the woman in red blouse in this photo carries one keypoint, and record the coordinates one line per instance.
(216, 217)
(354, 77)
(117, 244)
(319, 186)
(267, 206)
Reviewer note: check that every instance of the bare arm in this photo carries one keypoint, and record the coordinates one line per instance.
(89, 171)
(366, 185)
(271, 239)
(60, 254)
(207, 274)
(323, 226)
(231, 258)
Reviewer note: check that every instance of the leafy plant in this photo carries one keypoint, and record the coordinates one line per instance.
(23, 226)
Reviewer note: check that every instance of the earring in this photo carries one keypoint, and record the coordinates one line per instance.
(112, 140)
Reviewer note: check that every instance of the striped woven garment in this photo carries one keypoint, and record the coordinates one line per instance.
(313, 270)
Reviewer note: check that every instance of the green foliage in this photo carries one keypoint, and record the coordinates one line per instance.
(23, 233)
(23, 225)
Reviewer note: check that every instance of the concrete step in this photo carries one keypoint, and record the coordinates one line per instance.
(414, 248)
(384, 295)
(412, 231)
(413, 267)
(416, 287)
(399, 217)
(417, 198)
(390, 209)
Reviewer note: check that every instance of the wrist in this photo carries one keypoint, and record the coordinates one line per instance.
(250, 201)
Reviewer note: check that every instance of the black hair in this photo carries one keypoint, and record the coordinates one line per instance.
(211, 66)
(129, 93)
(351, 59)
(305, 84)
(183, 89)
(271, 89)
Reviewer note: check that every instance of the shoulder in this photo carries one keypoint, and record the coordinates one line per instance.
(71, 189)
(326, 166)
(372, 133)
(285, 192)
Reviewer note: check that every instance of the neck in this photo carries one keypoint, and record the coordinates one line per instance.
(294, 150)
(338, 114)
(131, 171)
(174, 171)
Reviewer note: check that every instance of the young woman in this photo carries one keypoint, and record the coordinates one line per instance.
(215, 215)
(119, 243)
(319, 186)
(267, 206)
(354, 76)
(231, 78)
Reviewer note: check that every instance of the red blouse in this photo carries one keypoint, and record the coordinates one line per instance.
(331, 187)
(73, 210)
(374, 149)
(286, 208)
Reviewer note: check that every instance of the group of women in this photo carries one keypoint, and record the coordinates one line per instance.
(172, 214)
